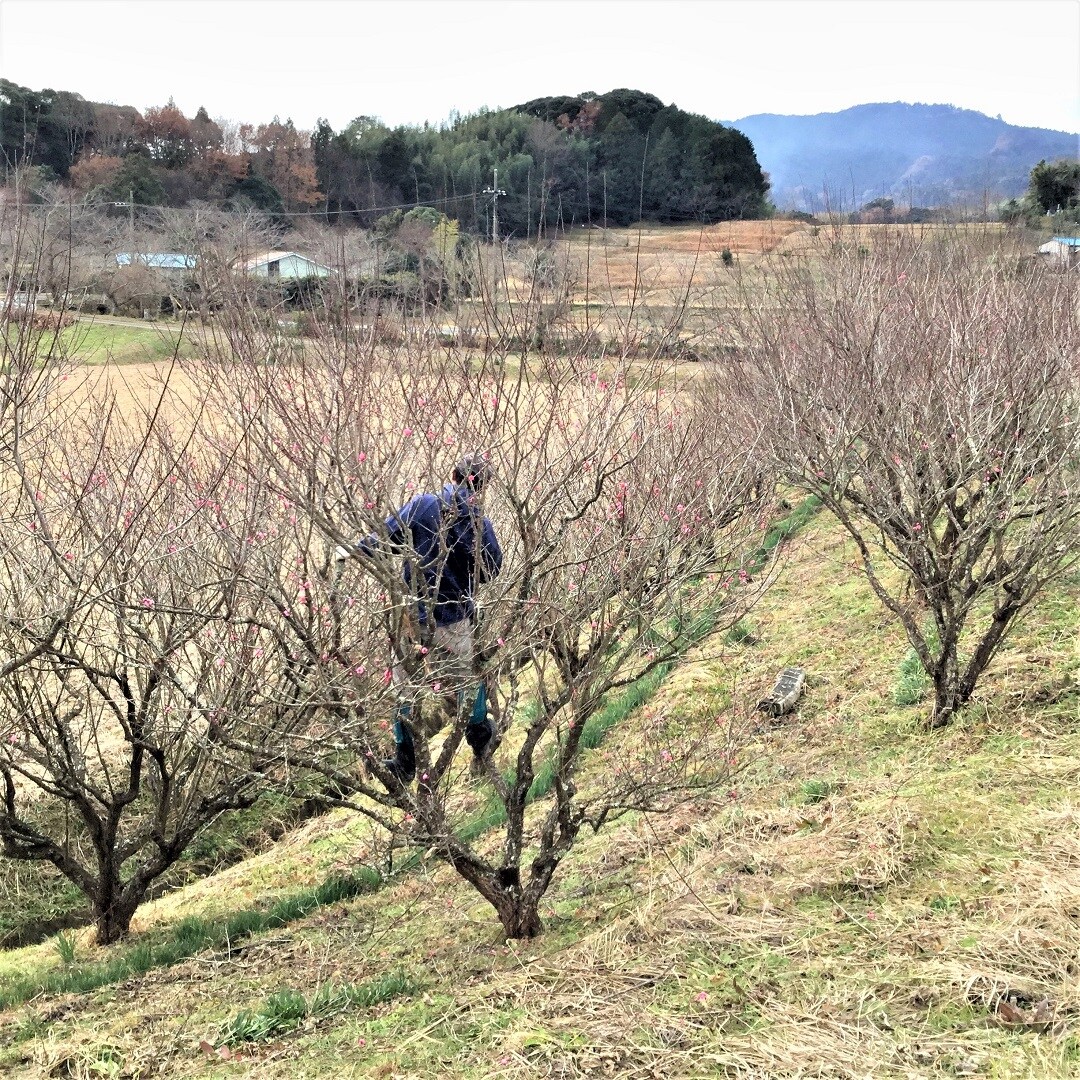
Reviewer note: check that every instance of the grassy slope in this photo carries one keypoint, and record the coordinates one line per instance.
(857, 905)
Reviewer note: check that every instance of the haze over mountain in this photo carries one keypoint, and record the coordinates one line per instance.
(919, 155)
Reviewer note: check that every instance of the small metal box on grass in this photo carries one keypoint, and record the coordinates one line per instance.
(786, 692)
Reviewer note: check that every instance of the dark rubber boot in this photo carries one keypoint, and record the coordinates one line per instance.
(480, 733)
(403, 763)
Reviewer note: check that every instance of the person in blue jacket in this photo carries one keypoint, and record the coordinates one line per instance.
(448, 548)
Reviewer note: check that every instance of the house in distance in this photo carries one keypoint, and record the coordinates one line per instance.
(1062, 252)
(165, 261)
(284, 266)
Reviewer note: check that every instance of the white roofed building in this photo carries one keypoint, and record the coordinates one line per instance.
(1062, 251)
(284, 266)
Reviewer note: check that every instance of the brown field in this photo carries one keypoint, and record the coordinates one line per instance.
(666, 261)
(138, 387)
(663, 261)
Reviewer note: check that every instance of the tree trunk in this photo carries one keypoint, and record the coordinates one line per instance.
(948, 696)
(518, 909)
(944, 710)
(114, 907)
(947, 691)
(113, 922)
(519, 916)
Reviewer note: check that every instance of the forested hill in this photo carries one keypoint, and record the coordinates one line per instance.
(591, 158)
(926, 155)
(655, 160)
(597, 158)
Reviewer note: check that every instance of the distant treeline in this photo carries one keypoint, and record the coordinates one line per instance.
(602, 158)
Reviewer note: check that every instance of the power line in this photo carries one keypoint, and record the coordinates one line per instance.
(433, 203)
(494, 192)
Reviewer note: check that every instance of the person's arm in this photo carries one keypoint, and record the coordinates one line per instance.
(397, 528)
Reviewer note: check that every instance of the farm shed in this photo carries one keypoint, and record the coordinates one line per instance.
(1062, 251)
(285, 265)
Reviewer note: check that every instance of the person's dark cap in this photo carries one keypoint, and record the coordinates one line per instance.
(473, 470)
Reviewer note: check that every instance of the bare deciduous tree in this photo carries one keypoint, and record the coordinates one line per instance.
(136, 654)
(927, 392)
(626, 510)
(178, 635)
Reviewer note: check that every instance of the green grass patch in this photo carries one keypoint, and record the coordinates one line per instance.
(65, 948)
(911, 683)
(118, 343)
(288, 1009)
(187, 938)
(783, 530)
(815, 791)
(741, 634)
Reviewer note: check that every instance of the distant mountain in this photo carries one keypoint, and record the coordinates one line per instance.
(925, 155)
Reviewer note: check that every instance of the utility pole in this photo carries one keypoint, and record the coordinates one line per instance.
(494, 191)
(130, 204)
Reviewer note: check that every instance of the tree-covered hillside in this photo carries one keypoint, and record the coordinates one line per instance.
(611, 158)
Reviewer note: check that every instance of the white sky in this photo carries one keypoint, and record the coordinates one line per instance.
(416, 60)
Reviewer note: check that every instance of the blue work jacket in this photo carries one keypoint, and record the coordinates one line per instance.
(437, 534)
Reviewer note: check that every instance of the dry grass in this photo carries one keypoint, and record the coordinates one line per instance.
(662, 262)
(138, 386)
(657, 265)
(869, 900)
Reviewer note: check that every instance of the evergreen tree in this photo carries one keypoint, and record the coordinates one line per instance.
(621, 153)
(662, 178)
(1054, 187)
(137, 181)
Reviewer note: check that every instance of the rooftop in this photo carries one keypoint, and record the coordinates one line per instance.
(158, 260)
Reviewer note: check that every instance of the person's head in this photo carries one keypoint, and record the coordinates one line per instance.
(473, 471)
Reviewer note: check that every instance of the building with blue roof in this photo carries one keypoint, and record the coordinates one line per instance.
(158, 260)
(1062, 252)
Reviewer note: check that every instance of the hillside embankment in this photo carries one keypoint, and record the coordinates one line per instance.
(869, 898)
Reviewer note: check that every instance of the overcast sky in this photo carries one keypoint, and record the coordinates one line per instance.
(416, 60)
